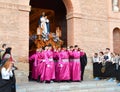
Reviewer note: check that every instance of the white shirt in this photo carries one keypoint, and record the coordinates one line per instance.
(6, 74)
(101, 58)
(95, 59)
(109, 56)
(113, 60)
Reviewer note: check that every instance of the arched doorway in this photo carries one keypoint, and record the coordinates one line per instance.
(56, 12)
(116, 40)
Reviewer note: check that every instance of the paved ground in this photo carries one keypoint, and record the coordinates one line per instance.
(85, 86)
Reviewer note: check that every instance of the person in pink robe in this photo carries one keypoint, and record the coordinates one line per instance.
(75, 65)
(56, 58)
(71, 57)
(34, 58)
(41, 66)
(63, 65)
(44, 60)
(51, 61)
(48, 74)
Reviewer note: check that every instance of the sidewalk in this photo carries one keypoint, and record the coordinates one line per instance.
(85, 86)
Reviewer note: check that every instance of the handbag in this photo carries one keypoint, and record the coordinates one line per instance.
(103, 69)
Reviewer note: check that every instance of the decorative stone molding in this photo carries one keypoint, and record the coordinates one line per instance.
(73, 15)
(84, 16)
(15, 6)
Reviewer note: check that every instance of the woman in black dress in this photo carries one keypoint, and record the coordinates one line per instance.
(5, 77)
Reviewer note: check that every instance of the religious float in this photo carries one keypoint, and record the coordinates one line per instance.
(40, 40)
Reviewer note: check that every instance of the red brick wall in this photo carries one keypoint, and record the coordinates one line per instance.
(14, 29)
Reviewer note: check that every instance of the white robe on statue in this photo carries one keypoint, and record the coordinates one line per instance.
(43, 25)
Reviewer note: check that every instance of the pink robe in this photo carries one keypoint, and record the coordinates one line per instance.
(63, 66)
(42, 66)
(34, 58)
(48, 75)
(76, 66)
(71, 57)
(56, 58)
(51, 61)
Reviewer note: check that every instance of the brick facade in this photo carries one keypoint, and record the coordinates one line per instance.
(90, 24)
(14, 28)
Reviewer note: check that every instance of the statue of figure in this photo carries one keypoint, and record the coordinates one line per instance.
(56, 36)
(44, 24)
(47, 24)
(39, 21)
(39, 32)
(115, 6)
(58, 32)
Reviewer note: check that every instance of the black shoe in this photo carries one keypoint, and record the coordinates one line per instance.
(38, 79)
(47, 82)
(68, 81)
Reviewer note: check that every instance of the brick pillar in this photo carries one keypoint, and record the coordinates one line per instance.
(73, 28)
(14, 28)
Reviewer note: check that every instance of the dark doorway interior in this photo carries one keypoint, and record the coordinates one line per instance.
(116, 40)
(56, 12)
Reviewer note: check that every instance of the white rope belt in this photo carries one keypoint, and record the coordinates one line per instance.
(43, 60)
(50, 59)
(65, 60)
(76, 60)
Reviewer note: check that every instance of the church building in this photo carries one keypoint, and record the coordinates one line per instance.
(92, 24)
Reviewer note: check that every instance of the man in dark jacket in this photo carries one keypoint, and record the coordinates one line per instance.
(83, 60)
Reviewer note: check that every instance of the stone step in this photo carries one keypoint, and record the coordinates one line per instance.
(85, 86)
(21, 76)
(22, 72)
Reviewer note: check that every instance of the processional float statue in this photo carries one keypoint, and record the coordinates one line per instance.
(44, 36)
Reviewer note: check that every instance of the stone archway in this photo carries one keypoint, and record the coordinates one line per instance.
(68, 4)
(116, 40)
(72, 18)
(56, 13)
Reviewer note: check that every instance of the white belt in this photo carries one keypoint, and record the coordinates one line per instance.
(76, 60)
(50, 59)
(43, 60)
(65, 60)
